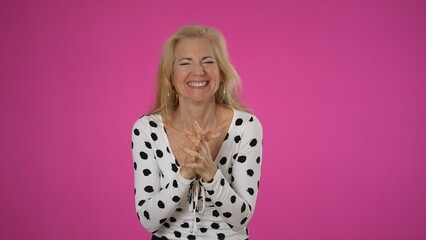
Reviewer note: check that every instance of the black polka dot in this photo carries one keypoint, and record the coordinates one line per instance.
(220, 236)
(148, 145)
(251, 119)
(231, 226)
(215, 213)
(146, 172)
(167, 149)
(233, 199)
(132, 144)
(167, 225)
(215, 225)
(137, 214)
(154, 136)
(239, 121)
(179, 209)
(210, 192)
(185, 225)
(250, 191)
(163, 220)
(177, 234)
(258, 160)
(176, 199)
(149, 189)
(222, 182)
(227, 214)
(226, 137)
(230, 170)
(143, 155)
(159, 153)
(152, 124)
(249, 207)
(141, 202)
(134, 191)
(160, 204)
(237, 139)
(191, 237)
(243, 207)
(223, 160)
(250, 172)
(258, 183)
(198, 219)
(135, 165)
(218, 203)
(175, 184)
(234, 156)
(208, 199)
(146, 215)
(172, 219)
(203, 230)
(174, 167)
(253, 142)
(243, 221)
(177, 163)
(136, 132)
(241, 159)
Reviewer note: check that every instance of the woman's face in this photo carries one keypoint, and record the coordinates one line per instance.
(195, 71)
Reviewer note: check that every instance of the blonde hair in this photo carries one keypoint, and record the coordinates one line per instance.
(166, 97)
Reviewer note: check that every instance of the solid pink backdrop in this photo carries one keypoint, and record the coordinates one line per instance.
(340, 88)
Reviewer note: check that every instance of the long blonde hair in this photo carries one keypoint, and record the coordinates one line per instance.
(166, 97)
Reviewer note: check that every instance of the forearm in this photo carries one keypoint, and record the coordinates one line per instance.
(154, 209)
(235, 210)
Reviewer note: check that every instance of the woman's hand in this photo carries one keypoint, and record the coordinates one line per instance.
(193, 144)
(201, 161)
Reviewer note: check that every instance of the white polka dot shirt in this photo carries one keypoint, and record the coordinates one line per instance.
(165, 200)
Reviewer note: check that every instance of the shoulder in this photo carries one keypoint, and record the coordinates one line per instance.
(147, 122)
(246, 119)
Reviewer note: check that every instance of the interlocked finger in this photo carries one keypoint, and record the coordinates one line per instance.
(193, 139)
(193, 154)
(197, 130)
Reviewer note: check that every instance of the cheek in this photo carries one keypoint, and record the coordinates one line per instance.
(177, 76)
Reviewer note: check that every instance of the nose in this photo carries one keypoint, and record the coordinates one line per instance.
(198, 70)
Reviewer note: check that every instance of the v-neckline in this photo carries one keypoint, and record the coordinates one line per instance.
(221, 145)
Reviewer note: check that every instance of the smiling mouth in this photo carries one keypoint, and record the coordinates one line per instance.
(198, 84)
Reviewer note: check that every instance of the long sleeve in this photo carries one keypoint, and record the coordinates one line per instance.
(154, 203)
(235, 200)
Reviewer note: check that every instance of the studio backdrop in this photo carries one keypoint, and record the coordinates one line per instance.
(339, 86)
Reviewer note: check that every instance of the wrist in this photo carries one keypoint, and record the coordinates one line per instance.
(209, 176)
(187, 173)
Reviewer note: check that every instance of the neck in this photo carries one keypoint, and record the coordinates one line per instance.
(203, 113)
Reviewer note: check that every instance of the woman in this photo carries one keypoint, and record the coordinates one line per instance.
(197, 155)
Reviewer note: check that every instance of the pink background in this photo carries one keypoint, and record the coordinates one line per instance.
(340, 87)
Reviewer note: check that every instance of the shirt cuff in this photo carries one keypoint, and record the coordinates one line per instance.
(214, 180)
(184, 180)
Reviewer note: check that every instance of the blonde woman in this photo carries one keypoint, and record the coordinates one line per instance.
(197, 155)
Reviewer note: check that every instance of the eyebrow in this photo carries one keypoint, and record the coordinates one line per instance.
(190, 59)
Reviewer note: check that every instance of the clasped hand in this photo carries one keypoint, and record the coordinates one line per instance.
(198, 162)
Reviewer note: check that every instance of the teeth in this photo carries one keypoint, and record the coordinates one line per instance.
(197, 84)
